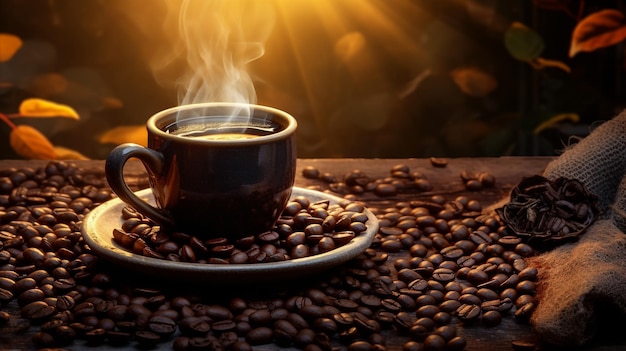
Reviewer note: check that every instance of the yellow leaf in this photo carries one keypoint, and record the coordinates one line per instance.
(541, 63)
(9, 44)
(64, 153)
(125, 134)
(43, 108)
(598, 30)
(572, 117)
(29, 143)
(474, 82)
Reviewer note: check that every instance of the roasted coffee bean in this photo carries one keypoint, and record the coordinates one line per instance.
(449, 306)
(64, 334)
(194, 326)
(297, 320)
(147, 338)
(209, 342)
(37, 310)
(5, 295)
(259, 336)
(218, 313)
(468, 312)
(427, 311)
(528, 273)
(434, 342)
(443, 275)
(223, 326)
(470, 299)
(260, 318)
(524, 312)
(310, 172)
(325, 325)
(458, 343)
(286, 327)
(519, 345)
(447, 332)
(43, 339)
(525, 287)
(31, 295)
(162, 326)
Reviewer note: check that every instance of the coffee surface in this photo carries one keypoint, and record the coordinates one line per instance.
(222, 128)
(222, 136)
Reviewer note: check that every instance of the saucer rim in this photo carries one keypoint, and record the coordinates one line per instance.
(97, 231)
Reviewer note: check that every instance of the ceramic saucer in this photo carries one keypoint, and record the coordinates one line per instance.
(98, 228)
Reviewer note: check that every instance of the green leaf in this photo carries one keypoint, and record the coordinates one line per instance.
(523, 43)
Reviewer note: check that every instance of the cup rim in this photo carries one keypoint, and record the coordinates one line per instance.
(290, 129)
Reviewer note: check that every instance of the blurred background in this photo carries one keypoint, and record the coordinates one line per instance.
(364, 78)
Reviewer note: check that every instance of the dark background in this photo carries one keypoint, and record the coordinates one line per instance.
(361, 106)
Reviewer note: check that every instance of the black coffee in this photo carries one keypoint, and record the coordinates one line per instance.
(222, 128)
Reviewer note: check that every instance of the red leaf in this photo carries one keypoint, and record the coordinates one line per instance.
(598, 30)
(28, 142)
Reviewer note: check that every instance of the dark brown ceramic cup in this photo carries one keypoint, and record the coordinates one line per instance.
(215, 169)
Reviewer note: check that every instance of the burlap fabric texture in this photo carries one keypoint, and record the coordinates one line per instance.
(580, 279)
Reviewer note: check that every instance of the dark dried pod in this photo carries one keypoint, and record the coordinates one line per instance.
(547, 213)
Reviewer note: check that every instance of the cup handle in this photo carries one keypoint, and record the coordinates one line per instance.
(114, 171)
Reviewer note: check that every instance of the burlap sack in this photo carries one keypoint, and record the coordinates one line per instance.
(579, 279)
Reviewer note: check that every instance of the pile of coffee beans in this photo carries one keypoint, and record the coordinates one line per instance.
(358, 182)
(434, 264)
(305, 228)
(400, 180)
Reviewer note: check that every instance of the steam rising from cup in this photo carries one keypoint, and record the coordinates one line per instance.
(217, 39)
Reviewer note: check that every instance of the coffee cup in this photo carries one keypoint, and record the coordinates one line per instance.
(215, 169)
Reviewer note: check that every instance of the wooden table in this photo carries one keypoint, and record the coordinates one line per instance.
(446, 181)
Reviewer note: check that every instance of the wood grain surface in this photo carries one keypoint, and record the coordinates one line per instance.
(446, 181)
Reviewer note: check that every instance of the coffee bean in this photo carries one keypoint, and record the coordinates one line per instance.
(519, 345)
(325, 325)
(524, 312)
(443, 275)
(259, 336)
(525, 287)
(5, 295)
(37, 310)
(528, 273)
(434, 342)
(194, 326)
(310, 172)
(438, 162)
(468, 312)
(43, 339)
(223, 326)
(458, 343)
(427, 311)
(371, 301)
(147, 338)
(162, 326)
(260, 318)
(470, 299)
(491, 318)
